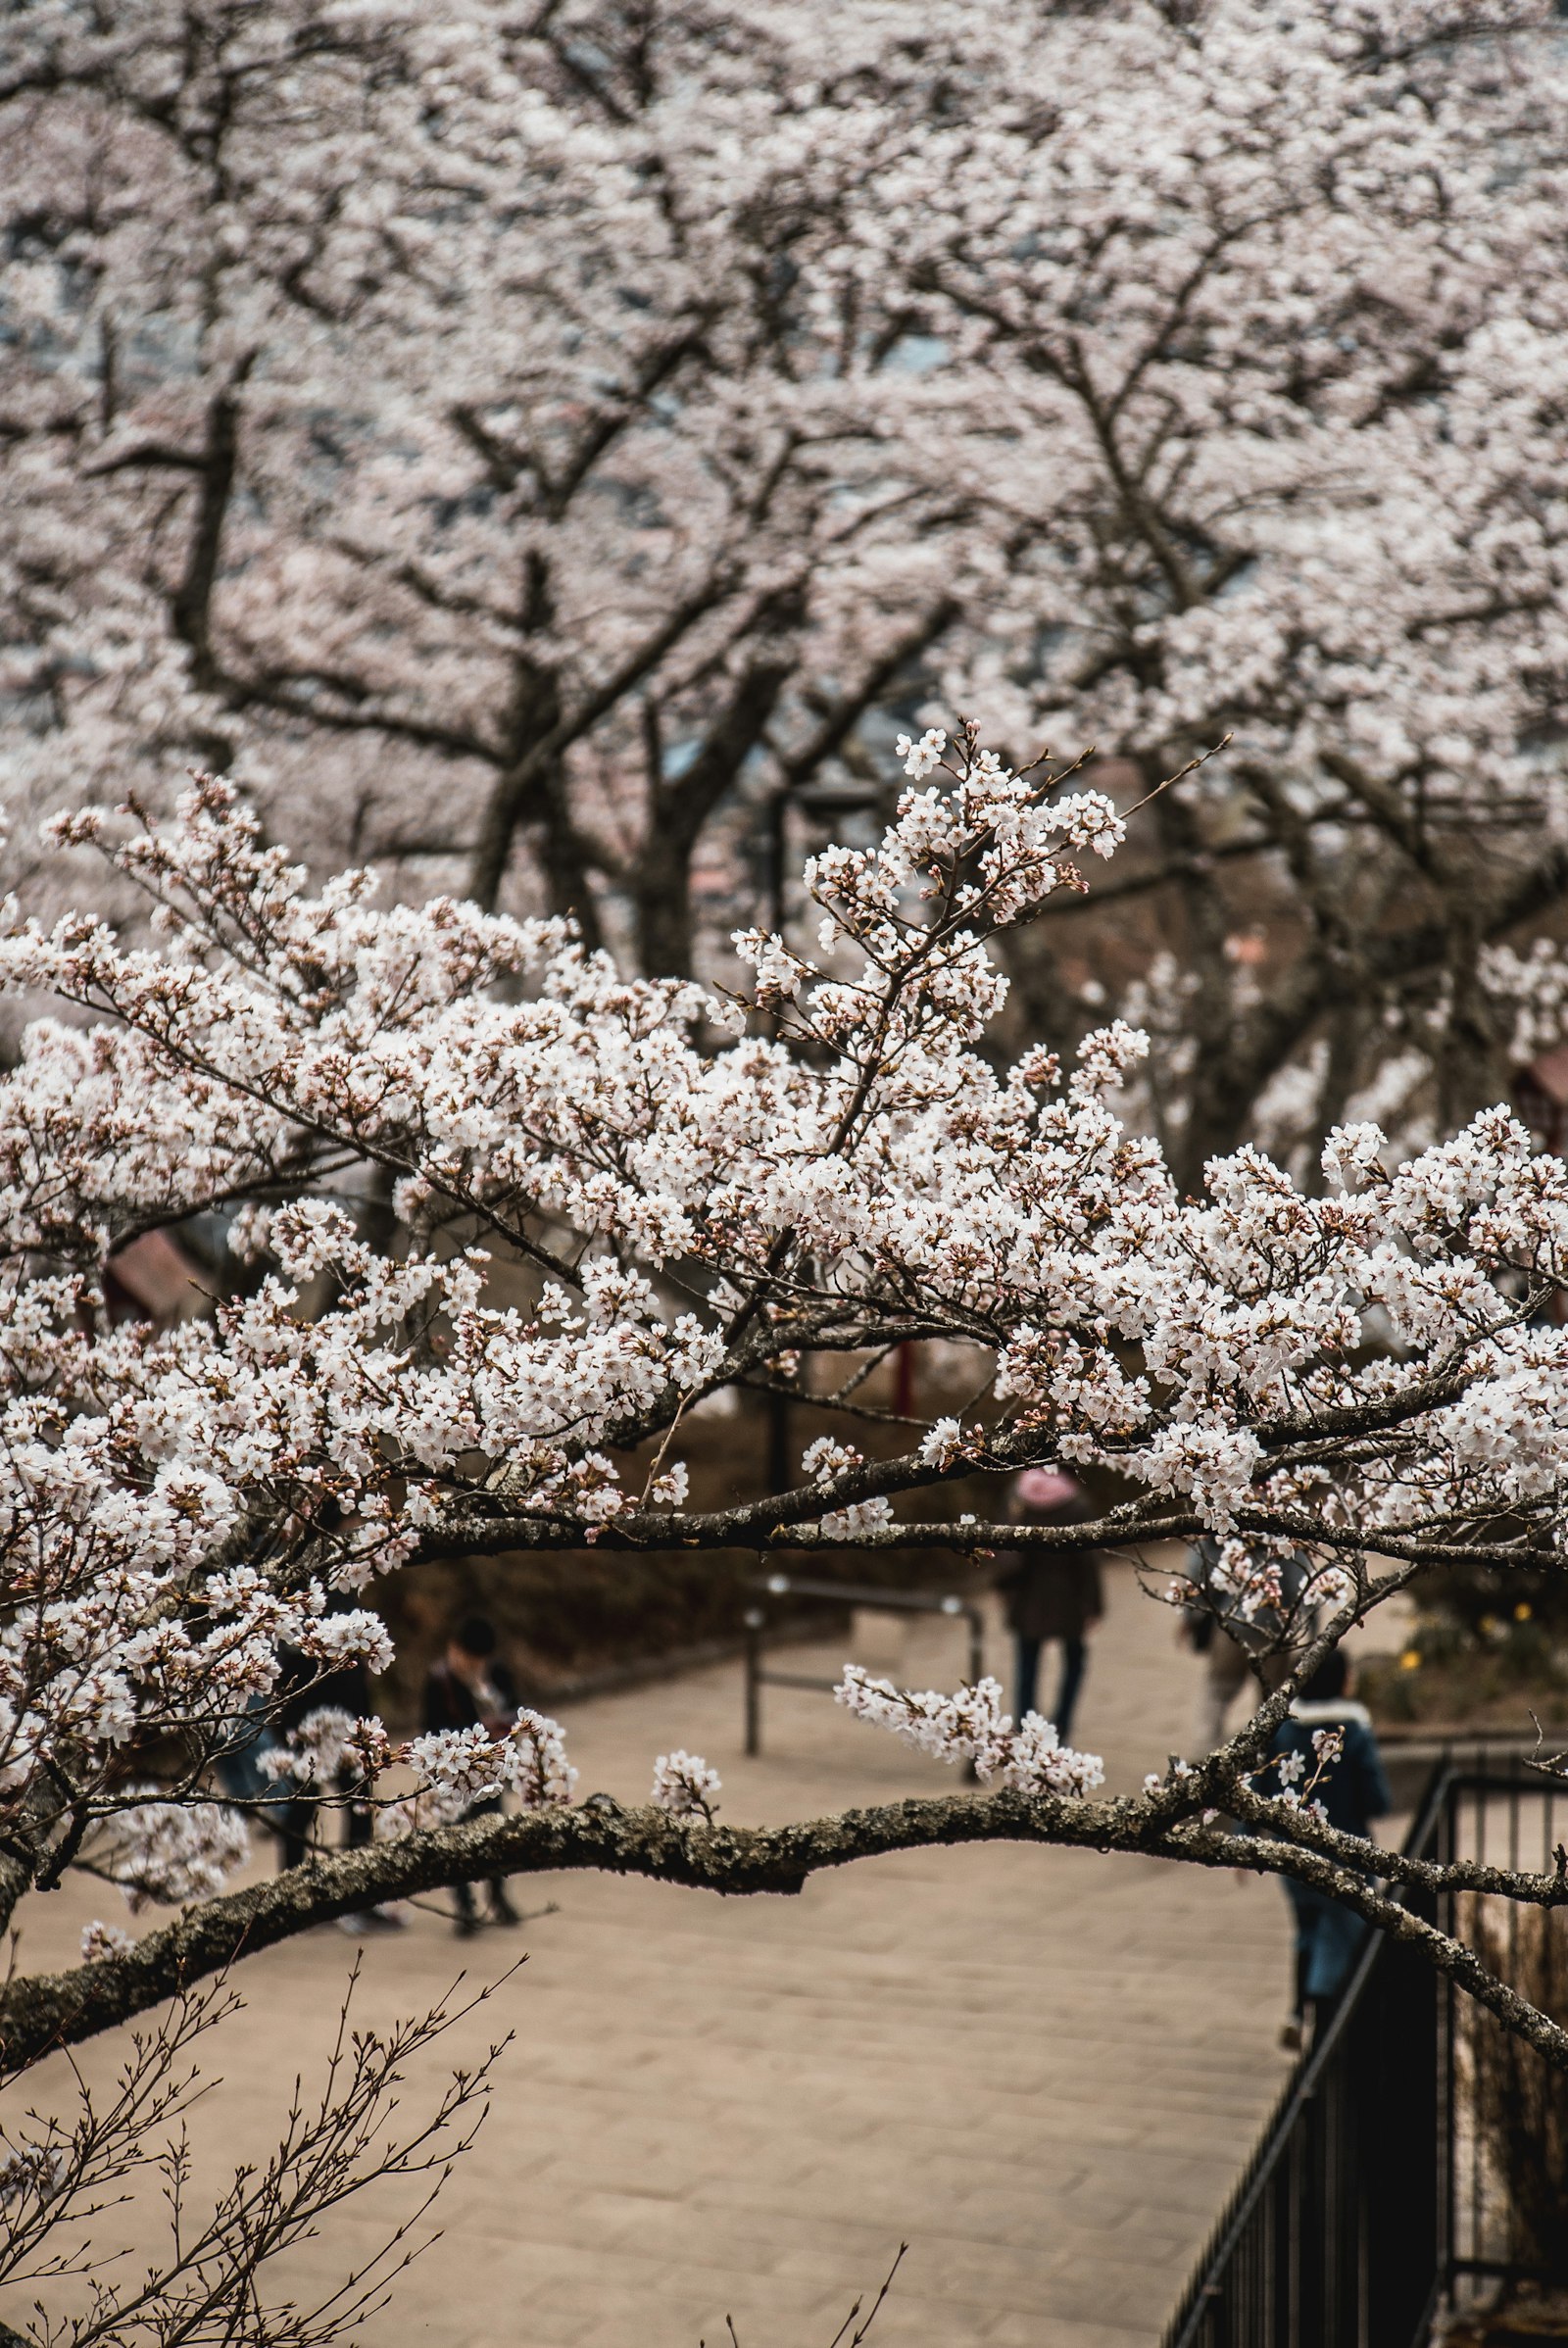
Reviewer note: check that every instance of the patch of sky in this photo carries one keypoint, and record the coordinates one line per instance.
(916, 355)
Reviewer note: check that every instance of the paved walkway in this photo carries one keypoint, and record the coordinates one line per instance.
(1042, 2069)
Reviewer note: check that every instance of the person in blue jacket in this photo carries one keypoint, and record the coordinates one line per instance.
(1352, 1791)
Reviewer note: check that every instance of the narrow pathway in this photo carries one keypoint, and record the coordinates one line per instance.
(1042, 2069)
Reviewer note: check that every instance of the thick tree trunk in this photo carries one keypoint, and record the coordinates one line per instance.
(1471, 1073)
(191, 609)
(665, 939)
(679, 810)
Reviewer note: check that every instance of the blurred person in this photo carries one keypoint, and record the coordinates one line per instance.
(469, 1686)
(238, 1766)
(349, 1690)
(1227, 1670)
(289, 1811)
(1352, 1791)
(1235, 1654)
(1051, 1593)
(293, 1819)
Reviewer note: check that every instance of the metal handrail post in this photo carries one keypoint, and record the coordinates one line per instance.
(977, 1644)
(754, 1620)
(845, 1593)
(1276, 2166)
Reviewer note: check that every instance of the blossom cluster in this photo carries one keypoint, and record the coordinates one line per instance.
(1287, 1781)
(685, 1786)
(825, 1459)
(32, 2172)
(100, 1941)
(456, 1768)
(314, 1752)
(170, 1852)
(971, 1725)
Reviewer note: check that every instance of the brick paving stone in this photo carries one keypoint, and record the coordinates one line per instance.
(1042, 2069)
(1062, 2331)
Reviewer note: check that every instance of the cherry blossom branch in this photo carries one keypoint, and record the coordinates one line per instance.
(41, 2012)
(788, 1521)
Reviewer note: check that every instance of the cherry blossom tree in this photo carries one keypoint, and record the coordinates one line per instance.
(519, 448)
(459, 402)
(616, 1199)
(1281, 310)
(519, 443)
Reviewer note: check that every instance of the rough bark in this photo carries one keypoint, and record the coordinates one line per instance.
(191, 609)
(42, 2013)
(680, 809)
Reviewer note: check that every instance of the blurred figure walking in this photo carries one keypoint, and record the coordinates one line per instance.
(471, 1688)
(1051, 1593)
(1236, 1653)
(1352, 1791)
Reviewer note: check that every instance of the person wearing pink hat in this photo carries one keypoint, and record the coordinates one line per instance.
(1051, 1593)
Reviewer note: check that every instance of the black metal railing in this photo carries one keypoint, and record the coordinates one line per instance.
(1386, 2182)
(839, 1594)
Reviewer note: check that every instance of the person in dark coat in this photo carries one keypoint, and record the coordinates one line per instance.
(300, 1690)
(1352, 1791)
(1238, 1653)
(293, 1816)
(469, 1688)
(1051, 1594)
